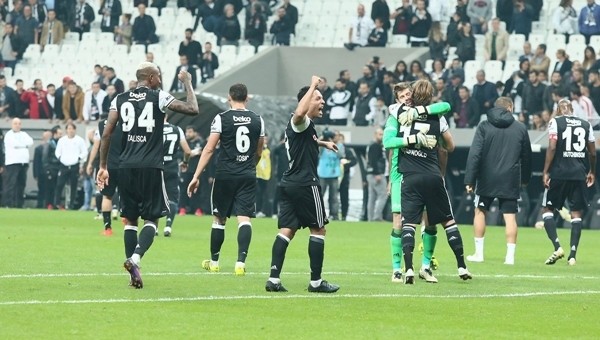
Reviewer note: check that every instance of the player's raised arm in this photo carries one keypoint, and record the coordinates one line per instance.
(305, 103)
(190, 106)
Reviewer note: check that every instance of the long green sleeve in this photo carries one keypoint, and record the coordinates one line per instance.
(438, 108)
(390, 134)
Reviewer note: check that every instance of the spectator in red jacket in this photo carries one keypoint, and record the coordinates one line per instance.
(37, 101)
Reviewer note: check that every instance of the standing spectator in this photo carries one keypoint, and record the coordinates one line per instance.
(402, 17)
(190, 48)
(533, 94)
(110, 10)
(326, 91)
(39, 12)
(589, 20)
(209, 63)
(465, 49)
(84, 16)
(439, 10)
(583, 107)
(453, 29)
(368, 77)
(144, 30)
(455, 69)
(177, 85)
(348, 161)
(360, 28)
(339, 103)
(16, 13)
(484, 93)
(376, 165)
(72, 103)
(92, 103)
(451, 95)
(563, 64)
(11, 47)
(26, 28)
(98, 74)
(564, 19)
(61, 92)
(21, 109)
(207, 14)
(111, 94)
(51, 166)
(461, 9)
(291, 14)
(281, 29)
(16, 163)
(229, 30)
(499, 138)
(136, 3)
(385, 89)
(329, 172)
(437, 42)
(256, 26)
(522, 18)
(378, 36)
(71, 151)
(7, 100)
(438, 71)
(496, 43)
(440, 90)
(381, 10)
(123, 32)
(466, 113)
(540, 61)
(364, 107)
(35, 98)
(53, 31)
(400, 72)
(555, 84)
(480, 12)
(263, 175)
(111, 78)
(51, 98)
(594, 84)
(420, 25)
(38, 169)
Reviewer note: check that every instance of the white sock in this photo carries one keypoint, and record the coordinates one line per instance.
(275, 280)
(214, 263)
(479, 247)
(510, 251)
(316, 284)
(239, 264)
(136, 258)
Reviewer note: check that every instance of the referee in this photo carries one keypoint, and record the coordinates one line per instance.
(71, 151)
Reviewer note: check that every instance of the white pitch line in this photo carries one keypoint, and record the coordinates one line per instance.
(280, 296)
(203, 273)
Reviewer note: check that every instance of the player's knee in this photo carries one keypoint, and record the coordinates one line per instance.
(288, 232)
(318, 231)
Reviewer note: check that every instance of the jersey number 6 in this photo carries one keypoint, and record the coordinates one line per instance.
(242, 141)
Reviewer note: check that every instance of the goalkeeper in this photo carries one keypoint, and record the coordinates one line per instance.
(393, 142)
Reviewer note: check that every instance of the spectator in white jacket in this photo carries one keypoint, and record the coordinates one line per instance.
(92, 102)
(564, 18)
(14, 177)
(71, 151)
(339, 102)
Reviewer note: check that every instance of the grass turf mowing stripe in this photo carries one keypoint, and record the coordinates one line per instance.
(296, 296)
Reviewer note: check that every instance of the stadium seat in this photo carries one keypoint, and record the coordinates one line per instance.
(576, 50)
(555, 39)
(472, 65)
(577, 39)
(106, 36)
(246, 50)
(538, 26)
(155, 48)
(168, 12)
(516, 41)
(137, 49)
(71, 36)
(331, 8)
(494, 75)
(32, 53)
(89, 37)
(595, 41)
(228, 50)
(536, 39)
(398, 40)
(512, 65)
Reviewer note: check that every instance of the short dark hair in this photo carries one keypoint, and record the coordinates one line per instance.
(302, 92)
(110, 69)
(18, 81)
(97, 65)
(96, 83)
(594, 71)
(71, 124)
(576, 91)
(55, 129)
(238, 92)
(127, 15)
(341, 80)
(463, 88)
(191, 127)
(2, 76)
(342, 73)
(543, 47)
(534, 72)
(50, 85)
(189, 30)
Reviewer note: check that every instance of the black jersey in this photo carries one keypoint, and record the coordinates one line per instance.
(302, 145)
(572, 135)
(141, 116)
(172, 137)
(240, 131)
(420, 160)
(114, 152)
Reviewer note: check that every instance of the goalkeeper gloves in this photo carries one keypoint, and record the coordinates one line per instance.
(411, 114)
(422, 140)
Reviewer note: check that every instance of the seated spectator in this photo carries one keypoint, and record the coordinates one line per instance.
(465, 113)
(564, 19)
(7, 99)
(291, 14)
(416, 70)
(369, 78)
(110, 78)
(589, 20)
(589, 58)
(98, 74)
(111, 94)
(11, 47)
(385, 89)
(378, 36)
(144, 29)
(110, 10)
(583, 107)
(484, 93)
(420, 25)
(563, 64)
(190, 48)
(537, 123)
(72, 103)
(402, 17)
(228, 30)
(281, 29)
(360, 28)
(465, 50)
(209, 63)
(440, 89)
(480, 12)
(455, 69)
(540, 62)
(35, 99)
(521, 75)
(437, 42)
(522, 18)
(438, 71)
(594, 88)
(53, 31)
(453, 29)
(527, 54)
(401, 72)
(177, 85)
(51, 98)
(123, 32)
(92, 103)
(84, 16)
(207, 14)
(256, 26)
(575, 77)
(26, 28)
(496, 42)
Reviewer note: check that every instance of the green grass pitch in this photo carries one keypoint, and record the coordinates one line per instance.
(60, 279)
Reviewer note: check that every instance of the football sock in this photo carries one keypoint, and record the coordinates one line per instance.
(316, 253)
(456, 244)
(131, 240)
(278, 255)
(575, 236)
(429, 240)
(146, 238)
(171, 215)
(244, 236)
(408, 245)
(106, 219)
(98, 202)
(479, 241)
(396, 247)
(510, 253)
(550, 226)
(217, 236)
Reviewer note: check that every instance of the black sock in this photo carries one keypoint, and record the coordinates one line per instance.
(106, 219)
(99, 202)
(456, 244)
(575, 236)
(550, 226)
(131, 240)
(408, 245)
(217, 236)
(278, 255)
(146, 239)
(316, 253)
(244, 236)
(171, 215)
